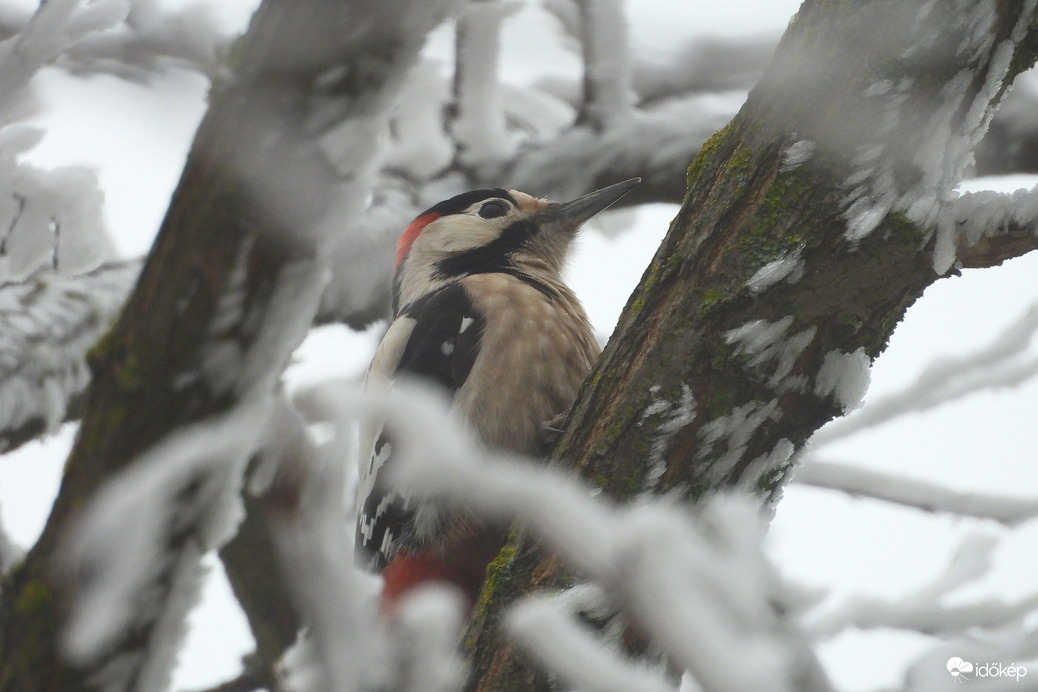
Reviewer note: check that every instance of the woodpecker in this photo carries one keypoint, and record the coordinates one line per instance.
(480, 308)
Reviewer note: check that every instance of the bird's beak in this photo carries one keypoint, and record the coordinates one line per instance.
(583, 208)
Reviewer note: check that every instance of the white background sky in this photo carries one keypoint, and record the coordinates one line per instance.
(137, 136)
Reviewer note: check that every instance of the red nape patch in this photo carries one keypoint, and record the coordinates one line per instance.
(403, 246)
(406, 572)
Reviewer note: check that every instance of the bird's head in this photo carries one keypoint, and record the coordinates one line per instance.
(493, 230)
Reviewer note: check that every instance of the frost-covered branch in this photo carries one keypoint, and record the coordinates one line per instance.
(574, 653)
(54, 26)
(700, 587)
(141, 38)
(230, 289)
(929, 497)
(924, 610)
(479, 120)
(607, 66)
(150, 40)
(313, 545)
(343, 646)
(136, 555)
(48, 324)
(49, 220)
(987, 228)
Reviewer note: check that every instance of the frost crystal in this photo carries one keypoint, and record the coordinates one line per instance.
(957, 120)
(789, 266)
(766, 342)
(676, 417)
(845, 377)
(797, 154)
(735, 429)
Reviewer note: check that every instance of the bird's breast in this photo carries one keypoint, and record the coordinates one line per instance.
(534, 352)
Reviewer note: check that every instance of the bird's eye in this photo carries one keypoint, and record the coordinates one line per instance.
(493, 209)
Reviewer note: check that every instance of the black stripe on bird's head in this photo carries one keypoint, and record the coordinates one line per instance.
(492, 231)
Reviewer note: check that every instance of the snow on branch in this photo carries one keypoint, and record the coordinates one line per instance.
(151, 40)
(572, 651)
(314, 551)
(49, 220)
(983, 229)
(47, 325)
(655, 144)
(140, 39)
(1004, 363)
(343, 645)
(699, 586)
(182, 497)
(924, 610)
(607, 65)
(929, 497)
(55, 25)
(479, 122)
(150, 526)
(928, 127)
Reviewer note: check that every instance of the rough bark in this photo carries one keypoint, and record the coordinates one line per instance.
(692, 395)
(202, 330)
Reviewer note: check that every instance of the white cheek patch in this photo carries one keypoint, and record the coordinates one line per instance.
(458, 233)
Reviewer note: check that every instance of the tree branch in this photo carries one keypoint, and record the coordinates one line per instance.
(987, 228)
(228, 292)
(605, 48)
(478, 125)
(898, 489)
(49, 323)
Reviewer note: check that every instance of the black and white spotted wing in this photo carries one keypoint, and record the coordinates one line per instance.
(437, 338)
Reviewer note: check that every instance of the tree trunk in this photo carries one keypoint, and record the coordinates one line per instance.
(212, 322)
(807, 230)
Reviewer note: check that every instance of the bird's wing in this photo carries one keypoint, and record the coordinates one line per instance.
(436, 339)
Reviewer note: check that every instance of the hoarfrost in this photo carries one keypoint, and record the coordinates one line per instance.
(765, 342)
(229, 307)
(676, 417)
(758, 336)
(797, 154)
(765, 465)
(699, 586)
(789, 267)
(119, 548)
(958, 119)
(1004, 362)
(49, 220)
(863, 216)
(418, 143)
(735, 429)
(46, 327)
(570, 649)
(845, 377)
(976, 215)
(480, 124)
